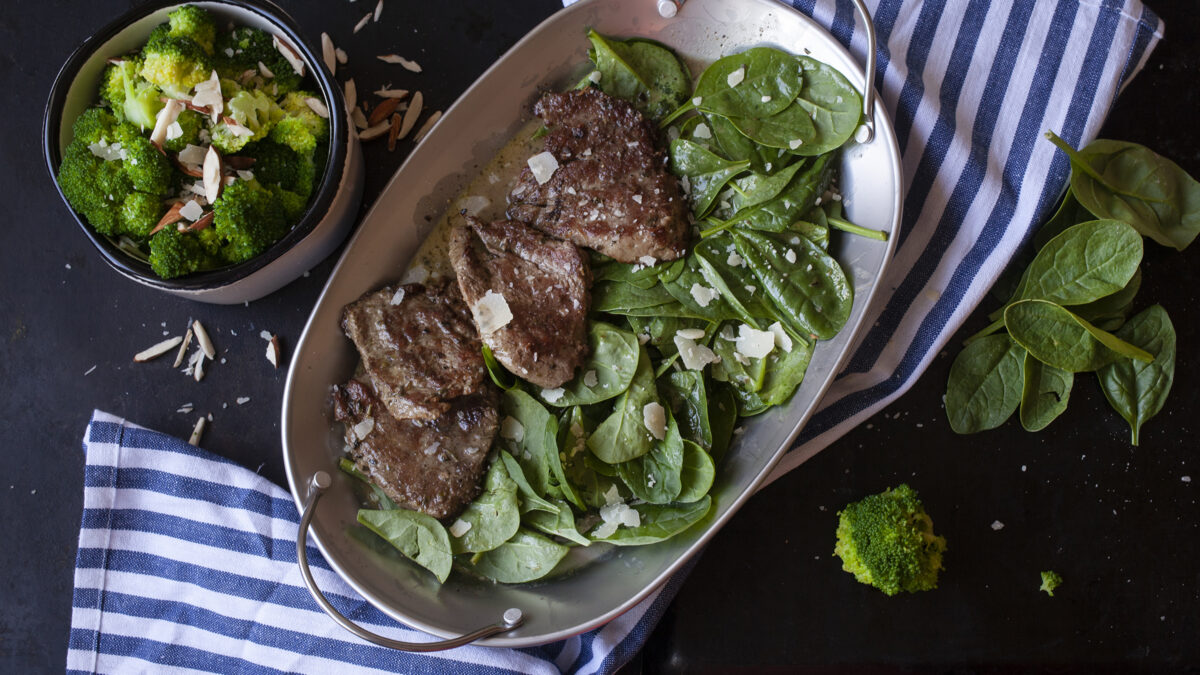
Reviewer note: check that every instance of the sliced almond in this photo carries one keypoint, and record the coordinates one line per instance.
(289, 52)
(197, 432)
(359, 119)
(381, 111)
(198, 370)
(171, 217)
(202, 222)
(212, 175)
(317, 106)
(391, 93)
(328, 53)
(206, 344)
(157, 350)
(362, 23)
(413, 112)
(407, 64)
(378, 9)
(266, 72)
(427, 126)
(166, 117)
(273, 351)
(351, 95)
(183, 346)
(341, 55)
(375, 131)
(394, 132)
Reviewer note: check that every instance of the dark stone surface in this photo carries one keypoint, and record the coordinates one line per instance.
(1118, 522)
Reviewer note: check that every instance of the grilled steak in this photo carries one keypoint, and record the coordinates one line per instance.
(418, 353)
(612, 191)
(433, 466)
(544, 282)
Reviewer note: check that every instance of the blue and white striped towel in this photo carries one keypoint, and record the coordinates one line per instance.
(187, 562)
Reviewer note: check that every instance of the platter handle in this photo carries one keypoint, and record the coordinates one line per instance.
(866, 132)
(317, 485)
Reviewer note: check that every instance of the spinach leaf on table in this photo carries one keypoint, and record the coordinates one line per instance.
(1045, 395)
(420, 537)
(525, 557)
(1135, 389)
(640, 71)
(1086, 262)
(985, 384)
(1056, 337)
(1109, 313)
(494, 516)
(612, 360)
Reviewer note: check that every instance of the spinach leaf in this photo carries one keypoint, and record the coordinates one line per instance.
(834, 105)
(770, 80)
(698, 473)
(420, 537)
(659, 523)
(1058, 338)
(1139, 390)
(662, 330)
(744, 374)
(687, 398)
(1129, 182)
(559, 524)
(707, 172)
(537, 449)
(641, 71)
(1070, 212)
(806, 284)
(493, 516)
(736, 282)
(1086, 262)
(525, 557)
(530, 499)
(796, 200)
(1109, 313)
(610, 366)
(784, 371)
(735, 146)
(791, 128)
(376, 495)
(722, 416)
(688, 275)
(1046, 392)
(655, 476)
(985, 384)
(498, 373)
(623, 436)
(755, 188)
(641, 276)
(616, 297)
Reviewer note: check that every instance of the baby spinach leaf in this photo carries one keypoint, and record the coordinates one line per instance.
(736, 282)
(706, 171)
(530, 499)
(1109, 313)
(525, 557)
(498, 373)
(755, 188)
(791, 128)
(722, 416)
(746, 375)
(1045, 395)
(1139, 390)
(785, 371)
(617, 297)
(985, 384)
(735, 146)
(688, 274)
(559, 524)
(641, 276)
(1131, 183)
(610, 366)
(1086, 262)
(623, 435)
(654, 477)
(1058, 338)
(659, 522)
(833, 104)
(1070, 212)
(698, 473)
(494, 516)
(377, 495)
(770, 80)
(420, 537)
(806, 284)
(686, 397)
(796, 200)
(641, 71)
(537, 449)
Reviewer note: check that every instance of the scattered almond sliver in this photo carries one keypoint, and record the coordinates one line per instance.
(266, 72)
(374, 131)
(362, 23)
(206, 344)
(327, 52)
(351, 95)
(273, 351)
(394, 134)
(289, 53)
(317, 106)
(396, 58)
(382, 111)
(413, 112)
(427, 126)
(378, 10)
(360, 120)
(197, 432)
(341, 55)
(391, 93)
(183, 346)
(157, 350)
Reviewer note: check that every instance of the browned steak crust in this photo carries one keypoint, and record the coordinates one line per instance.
(545, 283)
(419, 353)
(612, 191)
(433, 466)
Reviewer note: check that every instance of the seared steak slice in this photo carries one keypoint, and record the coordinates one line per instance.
(612, 191)
(433, 466)
(420, 352)
(544, 283)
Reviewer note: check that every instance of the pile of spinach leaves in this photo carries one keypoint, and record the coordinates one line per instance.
(1070, 312)
(759, 154)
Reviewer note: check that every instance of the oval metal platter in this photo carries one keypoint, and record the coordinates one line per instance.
(599, 584)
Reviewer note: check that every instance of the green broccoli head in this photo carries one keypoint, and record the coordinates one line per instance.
(140, 100)
(174, 253)
(112, 84)
(94, 187)
(251, 109)
(301, 129)
(1050, 581)
(140, 214)
(95, 125)
(175, 64)
(147, 168)
(243, 48)
(277, 164)
(887, 541)
(249, 217)
(190, 123)
(194, 23)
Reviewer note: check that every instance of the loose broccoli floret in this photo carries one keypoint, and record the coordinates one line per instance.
(250, 217)
(253, 110)
(140, 100)
(173, 63)
(1050, 581)
(174, 254)
(242, 49)
(190, 123)
(194, 23)
(887, 541)
(301, 129)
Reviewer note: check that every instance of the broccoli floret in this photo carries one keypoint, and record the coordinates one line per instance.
(140, 100)
(1050, 581)
(148, 170)
(194, 23)
(190, 123)
(253, 110)
(95, 125)
(174, 254)
(250, 217)
(242, 49)
(277, 164)
(140, 213)
(173, 63)
(301, 129)
(887, 541)
(94, 187)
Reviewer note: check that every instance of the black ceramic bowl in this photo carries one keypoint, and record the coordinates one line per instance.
(331, 211)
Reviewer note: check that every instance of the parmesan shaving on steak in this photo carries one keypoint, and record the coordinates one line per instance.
(491, 313)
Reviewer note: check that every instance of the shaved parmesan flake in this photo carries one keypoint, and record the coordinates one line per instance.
(553, 395)
(266, 72)
(459, 528)
(595, 76)
(429, 450)
(491, 313)
(107, 152)
(782, 339)
(735, 78)
(590, 379)
(691, 333)
(754, 343)
(766, 99)
(363, 428)
(697, 101)
(208, 95)
(734, 260)
(703, 295)
(654, 418)
(192, 210)
(543, 165)
(417, 275)
(702, 131)
(790, 256)
(192, 154)
(694, 356)
(648, 260)
(398, 297)
(793, 144)
(511, 429)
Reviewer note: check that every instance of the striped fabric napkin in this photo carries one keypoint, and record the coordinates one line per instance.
(187, 562)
